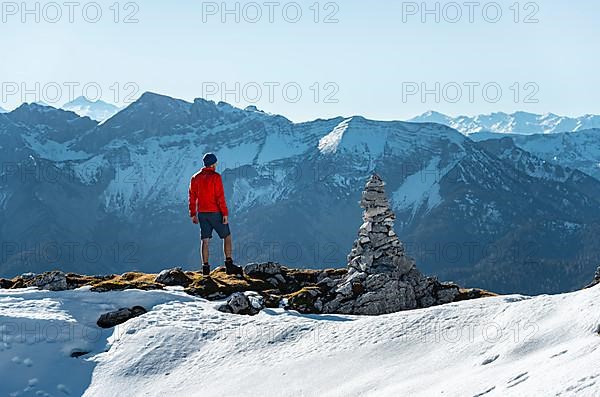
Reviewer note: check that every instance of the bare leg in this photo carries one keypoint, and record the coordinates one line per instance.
(205, 243)
(227, 247)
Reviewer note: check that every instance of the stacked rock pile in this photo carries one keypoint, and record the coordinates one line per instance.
(377, 248)
(381, 277)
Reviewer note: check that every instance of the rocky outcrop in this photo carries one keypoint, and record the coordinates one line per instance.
(248, 303)
(287, 280)
(59, 281)
(381, 278)
(51, 281)
(263, 269)
(173, 277)
(307, 300)
(111, 319)
(6, 284)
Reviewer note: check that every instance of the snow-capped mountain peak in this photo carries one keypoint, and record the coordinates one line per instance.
(96, 110)
(432, 116)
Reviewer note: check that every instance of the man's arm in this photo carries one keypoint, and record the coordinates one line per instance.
(193, 200)
(220, 196)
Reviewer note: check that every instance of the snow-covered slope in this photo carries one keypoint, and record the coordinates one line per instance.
(518, 122)
(503, 346)
(95, 110)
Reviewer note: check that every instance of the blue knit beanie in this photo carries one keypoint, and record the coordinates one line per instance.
(209, 159)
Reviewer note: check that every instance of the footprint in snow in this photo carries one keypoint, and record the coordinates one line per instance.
(485, 392)
(490, 360)
(559, 354)
(582, 384)
(518, 379)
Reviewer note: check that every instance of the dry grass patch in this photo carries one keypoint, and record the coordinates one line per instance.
(130, 280)
(472, 293)
(219, 284)
(304, 300)
(77, 280)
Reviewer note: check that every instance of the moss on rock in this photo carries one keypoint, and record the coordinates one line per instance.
(472, 293)
(220, 284)
(306, 300)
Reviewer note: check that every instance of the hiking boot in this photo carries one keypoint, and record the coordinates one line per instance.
(230, 268)
(206, 270)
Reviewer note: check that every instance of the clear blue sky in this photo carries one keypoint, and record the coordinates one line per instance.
(369, 55)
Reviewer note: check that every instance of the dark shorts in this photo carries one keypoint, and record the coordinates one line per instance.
(210, 221)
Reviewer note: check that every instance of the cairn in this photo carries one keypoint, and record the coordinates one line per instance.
(377, 248)
(381, 278)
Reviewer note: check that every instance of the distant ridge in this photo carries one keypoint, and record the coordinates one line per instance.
(518, 122)
(96, 110)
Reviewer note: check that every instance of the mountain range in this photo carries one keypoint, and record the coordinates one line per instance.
(96, 110)
(518, 122)
(109, 197)
(570, 142)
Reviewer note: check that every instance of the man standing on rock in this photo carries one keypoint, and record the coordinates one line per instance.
(208, 208)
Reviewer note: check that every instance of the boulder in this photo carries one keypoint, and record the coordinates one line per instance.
(78, 353)
(111, 319)
(6, 284)
(173, 277)
(446, 293)
(245, 303)
(327, 283)
(263, 269)
(18, 283)
(257, 301)
(51, 281)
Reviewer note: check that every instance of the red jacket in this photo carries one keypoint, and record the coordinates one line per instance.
(206, 193)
